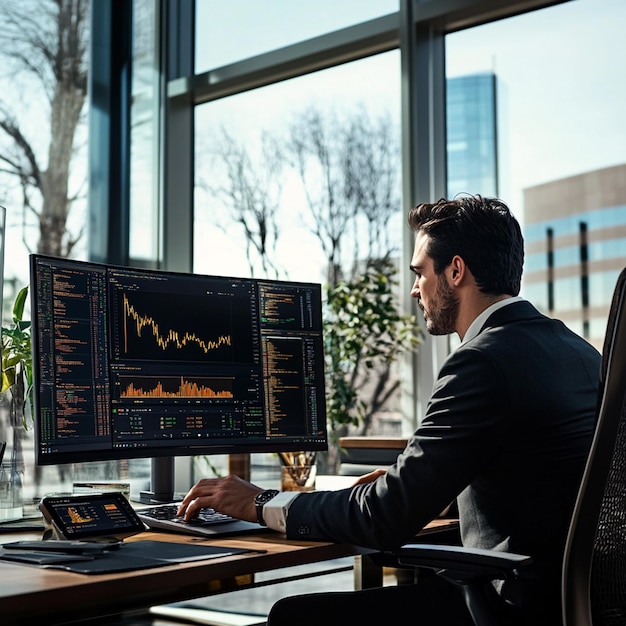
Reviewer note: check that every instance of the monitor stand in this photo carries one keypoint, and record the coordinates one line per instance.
(161, 483)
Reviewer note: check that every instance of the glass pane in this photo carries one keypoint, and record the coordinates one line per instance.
(43, 139)
(145, 119)
(301, 180)
(257, 124)
(561, 146)
(43, 178)
(231, 31)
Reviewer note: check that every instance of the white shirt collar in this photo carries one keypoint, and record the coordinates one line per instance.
(477, 324)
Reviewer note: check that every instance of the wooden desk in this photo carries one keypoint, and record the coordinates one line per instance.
(34, 595)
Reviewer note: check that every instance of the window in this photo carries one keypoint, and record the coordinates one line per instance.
(43, 155)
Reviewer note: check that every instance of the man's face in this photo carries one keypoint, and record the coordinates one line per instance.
(434, 295)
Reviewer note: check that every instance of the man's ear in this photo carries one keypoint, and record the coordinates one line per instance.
(457, 269)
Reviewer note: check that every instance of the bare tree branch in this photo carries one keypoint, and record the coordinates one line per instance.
(47, 42)
(28, 169)
(373, 178)
(252, 192)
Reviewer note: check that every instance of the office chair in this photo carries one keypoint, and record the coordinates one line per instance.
(594, 564)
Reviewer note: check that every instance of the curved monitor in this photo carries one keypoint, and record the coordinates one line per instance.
(141, 363)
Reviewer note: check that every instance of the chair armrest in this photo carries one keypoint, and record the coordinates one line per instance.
(462, 563)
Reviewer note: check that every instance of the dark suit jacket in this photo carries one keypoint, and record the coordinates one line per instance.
(507, 430)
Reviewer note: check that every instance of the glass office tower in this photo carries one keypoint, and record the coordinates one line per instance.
(472, 147)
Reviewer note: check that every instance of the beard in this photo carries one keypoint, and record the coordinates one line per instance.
(443, 310)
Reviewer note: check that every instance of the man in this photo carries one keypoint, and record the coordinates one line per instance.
(506, 431)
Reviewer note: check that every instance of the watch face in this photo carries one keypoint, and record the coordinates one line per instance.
(260, 500)
(265, 496)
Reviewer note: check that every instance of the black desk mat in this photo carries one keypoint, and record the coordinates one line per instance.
(137, 555)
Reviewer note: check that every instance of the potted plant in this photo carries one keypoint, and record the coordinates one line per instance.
(365, 334)
(17, 381)
(17, 364)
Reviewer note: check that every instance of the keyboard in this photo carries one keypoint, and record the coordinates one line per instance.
(208, 523)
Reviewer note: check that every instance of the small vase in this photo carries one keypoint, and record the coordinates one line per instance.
(12, 467)
(11, 498)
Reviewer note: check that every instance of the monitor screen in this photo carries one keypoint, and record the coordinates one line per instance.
(141, 363)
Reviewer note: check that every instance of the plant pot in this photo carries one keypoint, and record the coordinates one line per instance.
(11, 497)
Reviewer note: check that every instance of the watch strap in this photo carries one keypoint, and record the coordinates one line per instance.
(260, 500)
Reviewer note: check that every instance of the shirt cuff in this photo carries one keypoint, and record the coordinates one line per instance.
(275, 511)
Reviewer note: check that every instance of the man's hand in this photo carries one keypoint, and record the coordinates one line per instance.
(369, 478)
(230, 495)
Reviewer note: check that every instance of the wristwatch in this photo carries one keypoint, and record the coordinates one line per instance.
(261, 500)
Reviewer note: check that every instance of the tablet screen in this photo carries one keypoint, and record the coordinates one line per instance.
(91, 516)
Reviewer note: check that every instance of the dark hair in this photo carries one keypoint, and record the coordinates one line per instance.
(482, 231)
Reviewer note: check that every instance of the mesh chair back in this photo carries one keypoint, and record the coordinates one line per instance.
(594, 570)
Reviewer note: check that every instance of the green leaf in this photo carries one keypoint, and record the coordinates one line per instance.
(17, 366)
(18, 305)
